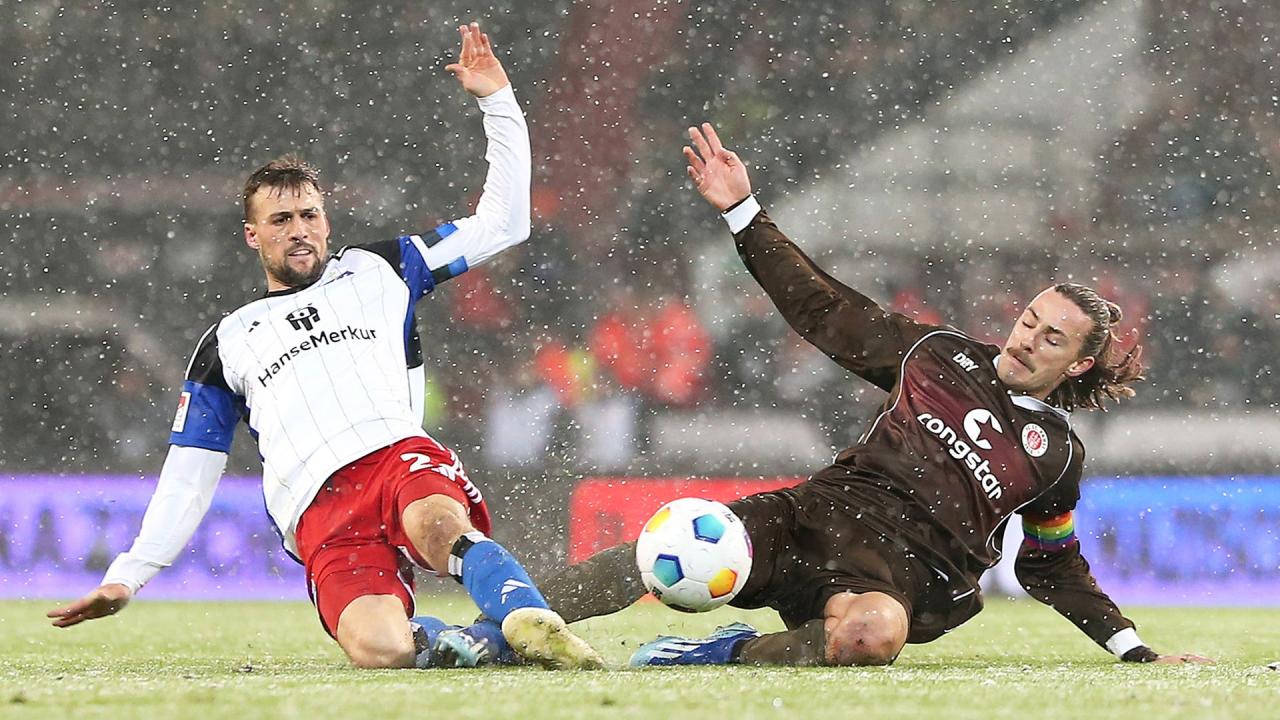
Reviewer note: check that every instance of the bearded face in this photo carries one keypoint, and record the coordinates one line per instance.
(290, 231)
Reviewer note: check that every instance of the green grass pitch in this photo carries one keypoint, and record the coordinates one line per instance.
(272, 660)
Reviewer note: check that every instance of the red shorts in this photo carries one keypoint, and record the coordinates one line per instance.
(350, 538)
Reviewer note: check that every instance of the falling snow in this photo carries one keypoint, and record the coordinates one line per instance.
(948, 159)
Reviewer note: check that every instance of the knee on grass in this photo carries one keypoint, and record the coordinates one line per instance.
(863, 642)
(375, 652)
(870, 630)
(374, 633)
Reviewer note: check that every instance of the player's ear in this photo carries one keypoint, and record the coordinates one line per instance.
(251, 236)
(1080, 367)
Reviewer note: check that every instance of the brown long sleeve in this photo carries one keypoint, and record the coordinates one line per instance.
(841, 322)
(1052, 570)
(1062, 581)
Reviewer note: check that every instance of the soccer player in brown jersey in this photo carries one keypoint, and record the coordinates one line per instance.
(886, 545)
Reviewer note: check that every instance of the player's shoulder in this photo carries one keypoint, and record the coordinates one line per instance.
(386, 253)
(379, 250)
(962, 348)
(206, 358)
(1077, 446)
(242, 320)
(948, 334)
(208, 336)
(393, 250)
(1073, 472)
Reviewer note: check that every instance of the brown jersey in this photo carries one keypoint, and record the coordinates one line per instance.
(952, 454)
(952, 442)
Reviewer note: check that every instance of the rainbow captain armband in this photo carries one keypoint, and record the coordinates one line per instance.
(1050, 534)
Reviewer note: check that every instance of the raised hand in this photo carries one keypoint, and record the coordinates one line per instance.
(104, 600)
(477, 68)
(718, 174)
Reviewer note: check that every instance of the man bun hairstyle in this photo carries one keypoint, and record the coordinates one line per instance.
(1114, 369)
(287, 172)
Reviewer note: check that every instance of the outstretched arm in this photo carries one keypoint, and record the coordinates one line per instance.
(841, 322)
(198, 445)
(1052, 570)
(502, 217)
(182, 497)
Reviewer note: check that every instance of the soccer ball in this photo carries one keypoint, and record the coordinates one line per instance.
(694, 555)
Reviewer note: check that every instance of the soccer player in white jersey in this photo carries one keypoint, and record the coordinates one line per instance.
(326, 372)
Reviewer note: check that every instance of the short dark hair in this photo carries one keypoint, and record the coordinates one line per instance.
(1114, 369)
(287, 172)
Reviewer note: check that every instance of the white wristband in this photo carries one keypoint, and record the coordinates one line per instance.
(130, 571)
(1124, 641)
(742, 215)
(502, 98)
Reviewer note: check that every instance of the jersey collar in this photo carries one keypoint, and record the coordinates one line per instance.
(286, 291)
(292, 290)
(1026, 402)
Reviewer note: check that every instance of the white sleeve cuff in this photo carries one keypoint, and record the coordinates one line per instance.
(502, 98)
(742, 215)
(1124, 641)
(183, 494)
(130, 571)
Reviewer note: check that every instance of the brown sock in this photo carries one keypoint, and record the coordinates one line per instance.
(806, 645)
(602, 584)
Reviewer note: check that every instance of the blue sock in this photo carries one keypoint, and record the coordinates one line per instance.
(429, 627)
(494, 579)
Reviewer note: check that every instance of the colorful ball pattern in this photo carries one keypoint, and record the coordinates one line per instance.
(694, 555)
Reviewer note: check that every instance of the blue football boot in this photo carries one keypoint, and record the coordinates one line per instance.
(459, 649)
(715, 649)
(465, 647)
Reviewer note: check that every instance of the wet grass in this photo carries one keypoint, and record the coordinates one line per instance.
(250, 660)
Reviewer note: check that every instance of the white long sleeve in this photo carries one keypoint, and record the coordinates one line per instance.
(502, 215)
(182, 497)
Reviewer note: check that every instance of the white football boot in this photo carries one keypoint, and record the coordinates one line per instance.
(543, 638)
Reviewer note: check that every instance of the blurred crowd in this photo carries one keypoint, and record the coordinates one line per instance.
(587, 389)
(1207, 150)
(119, 198)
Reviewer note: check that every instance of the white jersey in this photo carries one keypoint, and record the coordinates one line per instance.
(325, 374)
(318, 374)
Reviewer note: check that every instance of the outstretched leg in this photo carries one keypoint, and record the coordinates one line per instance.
(858, 629)
(605, 583)
(801, 646)
(441, 532)
(600, 585)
